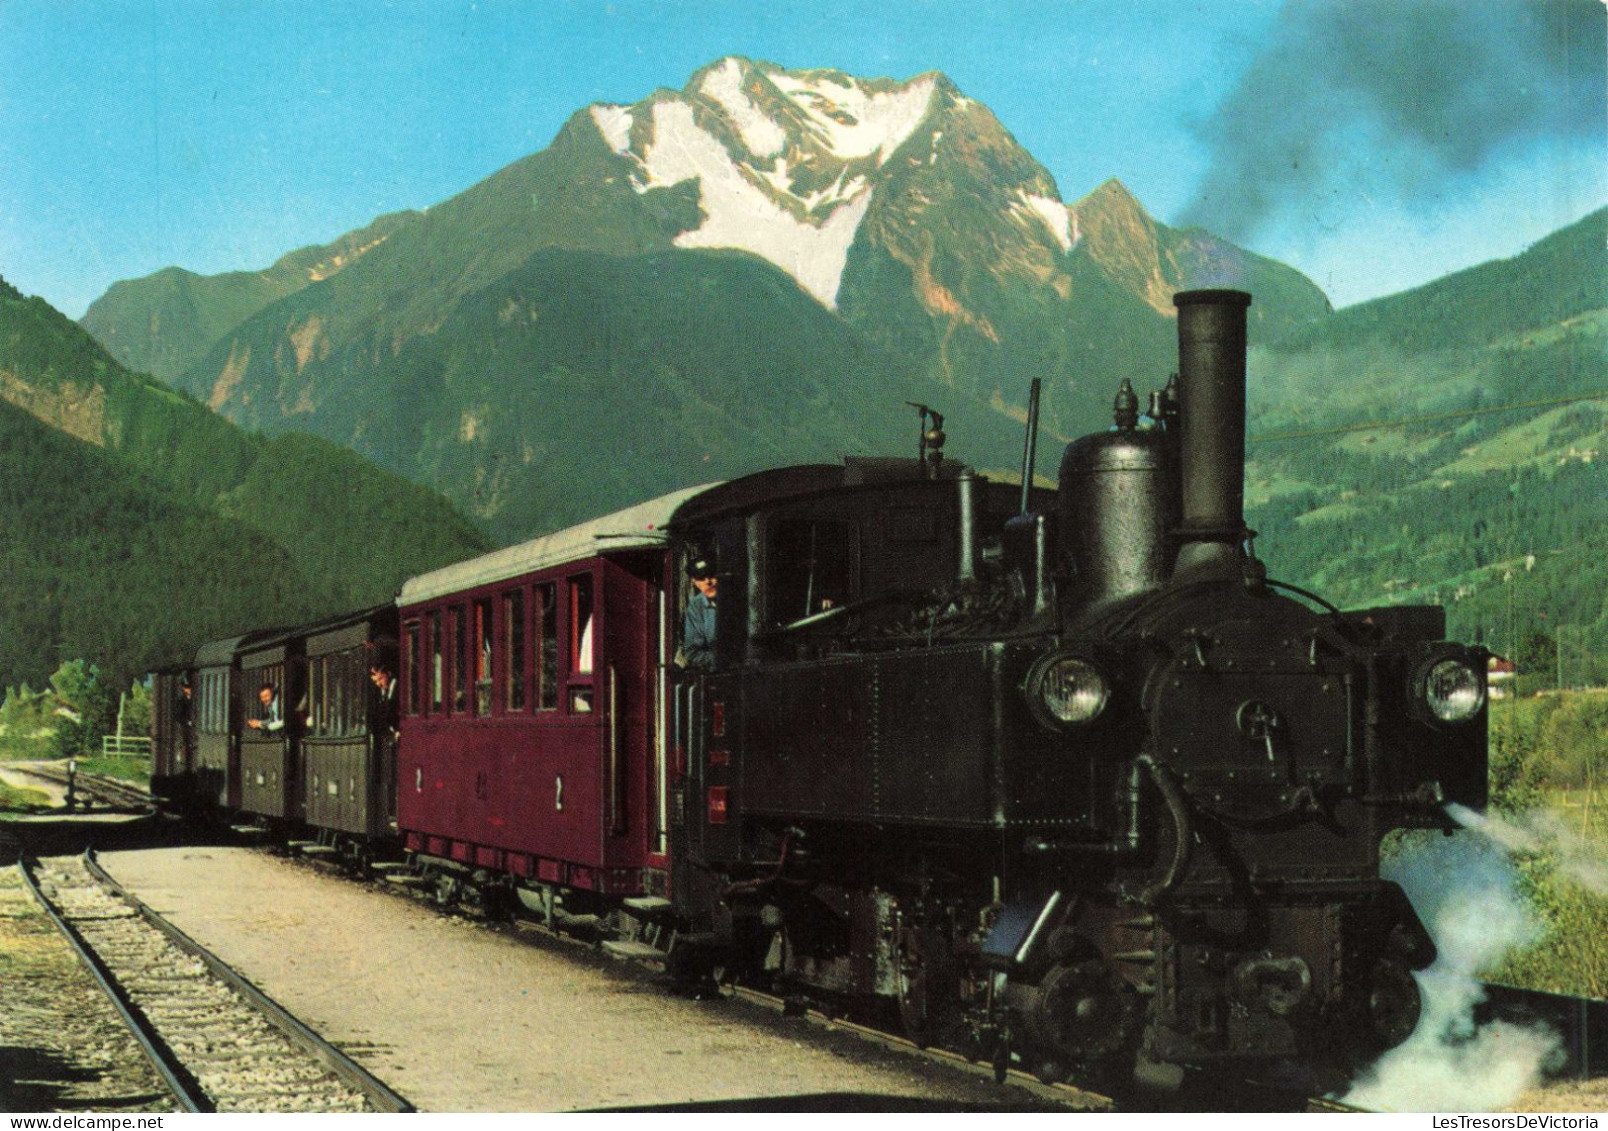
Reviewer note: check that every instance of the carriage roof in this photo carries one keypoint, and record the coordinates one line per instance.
(643, 526)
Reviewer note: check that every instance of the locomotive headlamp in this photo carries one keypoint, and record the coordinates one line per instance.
(1066, 690)
(1453, 690)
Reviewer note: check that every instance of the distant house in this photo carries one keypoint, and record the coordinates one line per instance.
(1499, 673)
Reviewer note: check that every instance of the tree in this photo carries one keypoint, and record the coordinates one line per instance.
(27, 724)
(1538, 653)
(84, 705)
(136, 709)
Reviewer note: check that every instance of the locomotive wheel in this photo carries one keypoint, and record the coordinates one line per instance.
(1084, 1011)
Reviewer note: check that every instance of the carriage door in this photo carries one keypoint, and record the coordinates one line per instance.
(627, 676)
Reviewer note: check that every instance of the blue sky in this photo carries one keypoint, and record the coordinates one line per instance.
(1373, 144)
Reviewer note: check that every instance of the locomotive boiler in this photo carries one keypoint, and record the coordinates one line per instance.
(1080, 788)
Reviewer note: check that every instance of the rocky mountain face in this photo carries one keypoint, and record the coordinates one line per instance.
(803, 251)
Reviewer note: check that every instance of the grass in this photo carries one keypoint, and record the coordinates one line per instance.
(21, 799)
(1544, 780)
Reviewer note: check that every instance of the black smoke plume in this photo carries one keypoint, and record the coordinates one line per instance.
(1397, 98)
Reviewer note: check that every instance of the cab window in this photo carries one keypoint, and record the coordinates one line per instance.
(811, 568)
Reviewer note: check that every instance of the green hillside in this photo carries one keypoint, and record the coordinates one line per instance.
(1484, 485)
(138, 523)
(162, 324)
(98, 562)
(1555, 280)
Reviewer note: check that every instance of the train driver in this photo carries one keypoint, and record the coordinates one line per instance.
(698, 627)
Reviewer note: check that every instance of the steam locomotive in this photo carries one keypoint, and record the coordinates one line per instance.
(1076, 787)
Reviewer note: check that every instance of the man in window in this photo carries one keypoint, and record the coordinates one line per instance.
(385, 705)
(271, 721)
(184, 709)
(698, 628)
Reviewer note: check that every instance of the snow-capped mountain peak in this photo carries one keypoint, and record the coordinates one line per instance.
(786, 162)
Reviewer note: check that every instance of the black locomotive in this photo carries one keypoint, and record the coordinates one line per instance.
(1074, 787)
(1078, 787)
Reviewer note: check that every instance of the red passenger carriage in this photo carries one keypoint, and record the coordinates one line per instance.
(534, 708)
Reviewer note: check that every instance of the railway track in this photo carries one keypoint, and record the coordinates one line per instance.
(218, 1043)
(1079, 1098)
(88, 788)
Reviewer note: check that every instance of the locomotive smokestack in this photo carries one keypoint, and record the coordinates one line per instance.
(1211, 378)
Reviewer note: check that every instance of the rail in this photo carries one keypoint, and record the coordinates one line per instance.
(184, 1086)
(342, 1066)
(181, 1080)
(112, 791)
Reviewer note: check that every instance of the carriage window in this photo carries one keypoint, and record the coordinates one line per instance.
(214, 703)
(581, 641)
(340, 695)
(811, 568)
(334, 695)
(352, 671)
(480, 656)
(271, 675)
(328, 699)
(438, 680)
(514, 646)
(580, 593)
(458, 634)
(317, 696)
(220, 703)
(414, 668)
(547, 646)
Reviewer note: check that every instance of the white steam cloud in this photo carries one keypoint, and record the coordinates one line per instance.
(1466, 893)
(1579, 858)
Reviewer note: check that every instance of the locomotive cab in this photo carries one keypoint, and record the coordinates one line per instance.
(817, 560)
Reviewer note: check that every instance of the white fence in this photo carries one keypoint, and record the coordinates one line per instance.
(125, 746)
